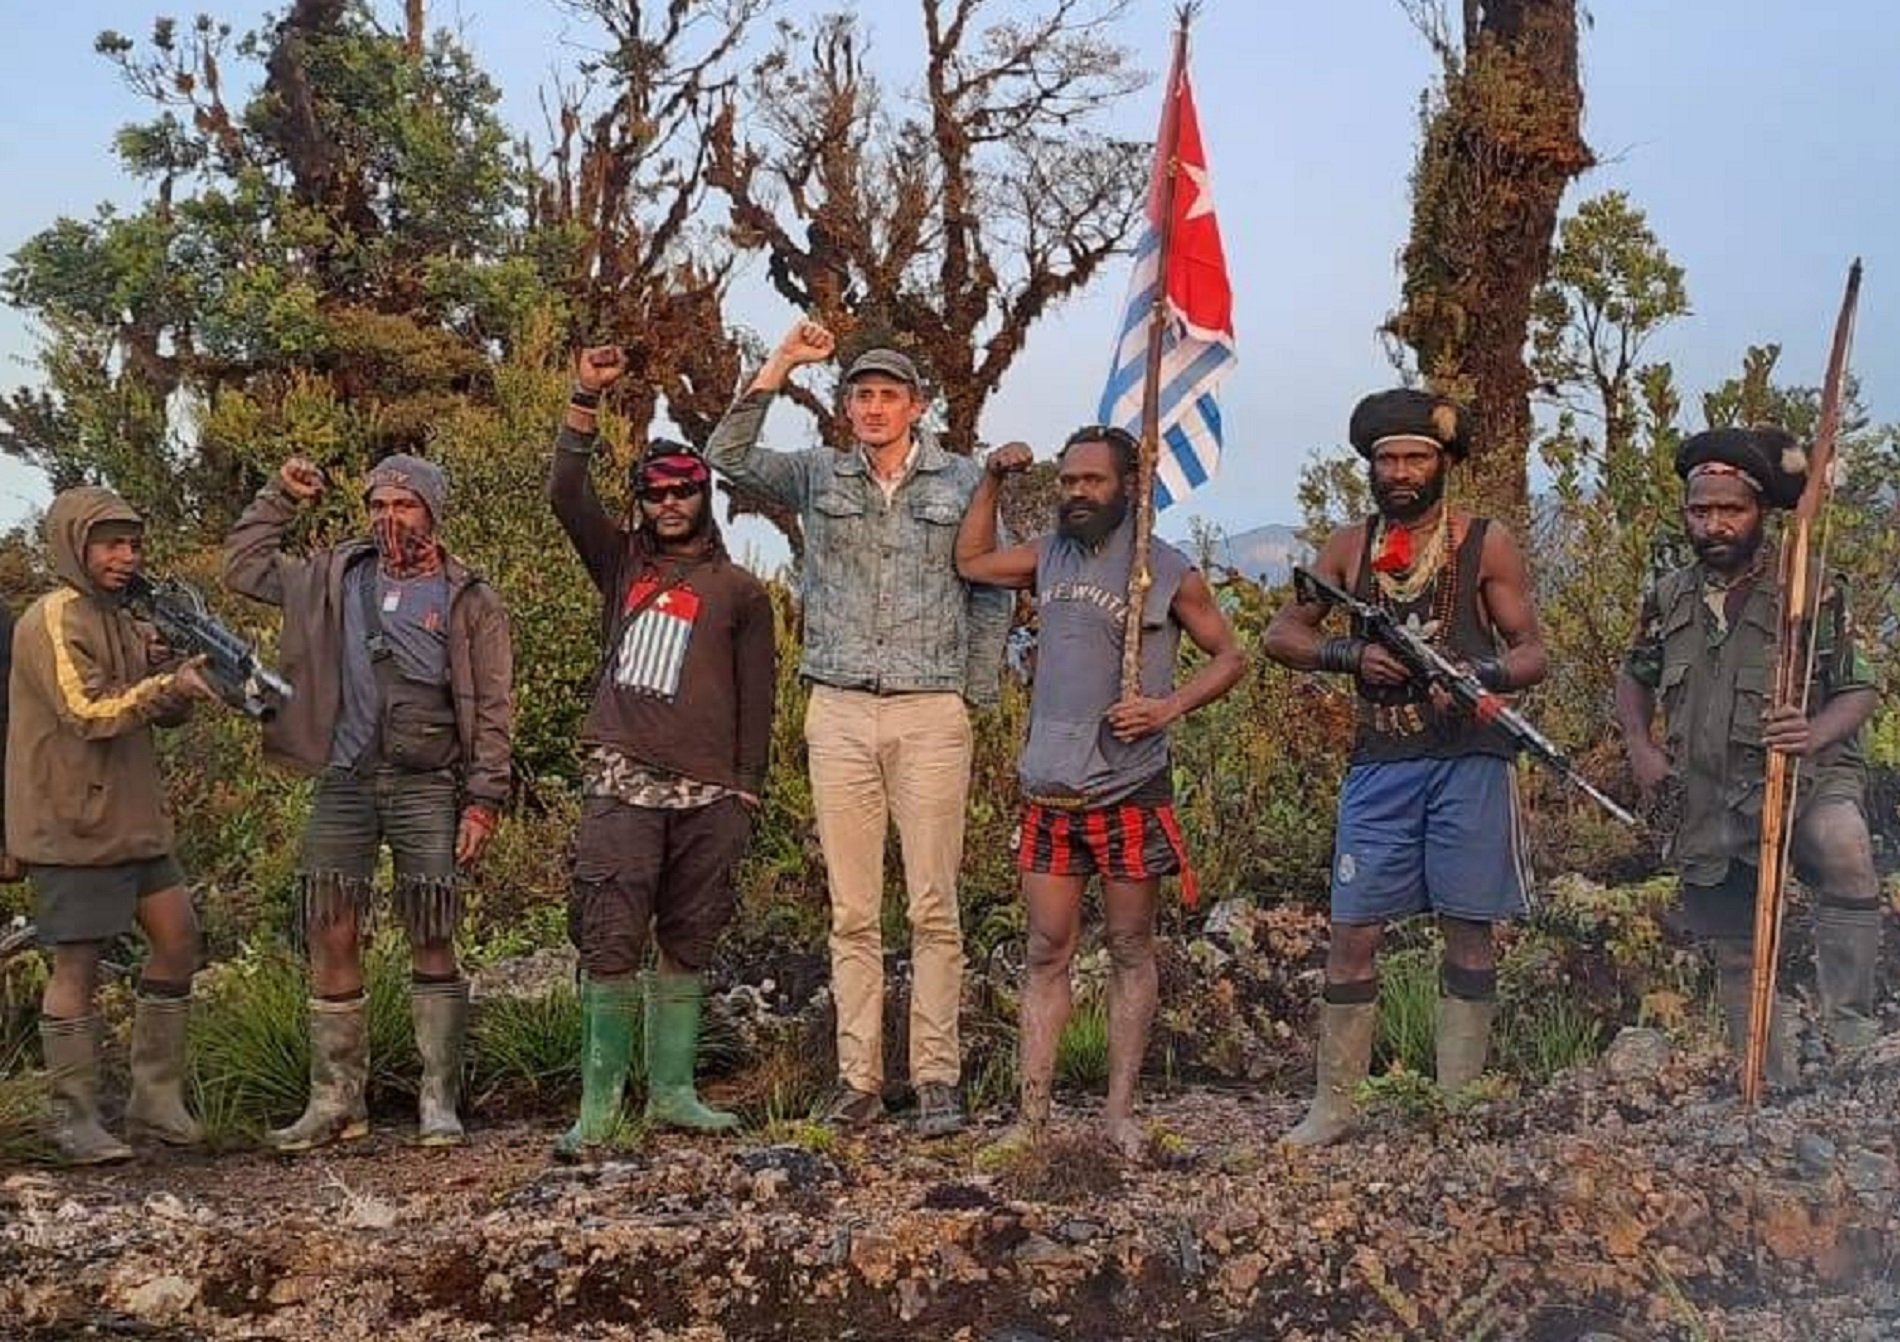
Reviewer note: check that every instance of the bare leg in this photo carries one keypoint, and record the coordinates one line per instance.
(1352, 950)
(433, 959)
(75, 976)
(171, 927)
(1130, 914)
(336, 958)
(1054, 905)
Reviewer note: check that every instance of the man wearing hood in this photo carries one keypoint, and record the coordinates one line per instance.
(675, 746)
(86, 814)
(1704, 655)
(403, 669)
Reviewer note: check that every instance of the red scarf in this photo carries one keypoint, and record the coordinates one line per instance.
(404, 552)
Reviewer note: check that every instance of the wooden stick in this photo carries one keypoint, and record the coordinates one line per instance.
(1790, 686)
(1140, 576)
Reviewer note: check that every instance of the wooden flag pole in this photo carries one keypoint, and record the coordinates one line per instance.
(1790, 686)
(1140, 577)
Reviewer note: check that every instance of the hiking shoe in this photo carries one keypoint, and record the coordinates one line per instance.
(939, 1110)
(853, 1108)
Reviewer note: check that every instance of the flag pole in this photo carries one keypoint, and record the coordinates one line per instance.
(1167, 159)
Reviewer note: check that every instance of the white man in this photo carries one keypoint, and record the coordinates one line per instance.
(895, 644)
(1097, 781)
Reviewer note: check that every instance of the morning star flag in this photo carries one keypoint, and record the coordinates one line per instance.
(1197, 335)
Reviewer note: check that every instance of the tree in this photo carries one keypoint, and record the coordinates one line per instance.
(953, 231)
(1502, 141)
(1611, 287)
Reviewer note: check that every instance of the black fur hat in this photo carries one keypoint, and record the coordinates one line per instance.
(1407, 413)
(1770, 459)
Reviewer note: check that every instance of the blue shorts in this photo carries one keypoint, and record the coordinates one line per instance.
(1437, 834)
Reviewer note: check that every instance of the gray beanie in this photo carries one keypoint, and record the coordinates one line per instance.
(426, 480)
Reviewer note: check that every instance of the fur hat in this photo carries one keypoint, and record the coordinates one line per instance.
(1770, 460)
(1405, 412)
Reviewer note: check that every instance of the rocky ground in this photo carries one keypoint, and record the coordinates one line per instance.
(1632, 1200)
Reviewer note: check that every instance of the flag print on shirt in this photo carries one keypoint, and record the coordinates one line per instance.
(653, 647)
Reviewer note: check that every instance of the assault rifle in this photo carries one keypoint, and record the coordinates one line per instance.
(232, 666)
(1429, 666)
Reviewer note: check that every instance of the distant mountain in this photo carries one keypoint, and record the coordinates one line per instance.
(1266, 554)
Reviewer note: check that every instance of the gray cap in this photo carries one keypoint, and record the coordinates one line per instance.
(426, 480)
(888, 362)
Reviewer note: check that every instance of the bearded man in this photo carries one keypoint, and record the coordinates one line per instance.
(1705, 648)
(675, 747)
(1097, 782)
(402, 668)
(1428, 813)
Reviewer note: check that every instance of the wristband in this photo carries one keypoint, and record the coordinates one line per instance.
(584, 399)
(1342, 655)
(1491, 674)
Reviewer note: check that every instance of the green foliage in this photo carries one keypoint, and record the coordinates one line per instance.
(1082, 1051)
(1408, 1010)
(530, 1047)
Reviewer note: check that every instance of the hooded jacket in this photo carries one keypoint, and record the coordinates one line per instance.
(82, 777)
(312, 592)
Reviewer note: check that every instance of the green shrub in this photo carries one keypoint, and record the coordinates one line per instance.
(530, 1046)
(1408, 1009)
(1082, 1051)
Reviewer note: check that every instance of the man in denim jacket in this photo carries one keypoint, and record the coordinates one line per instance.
(895, 643)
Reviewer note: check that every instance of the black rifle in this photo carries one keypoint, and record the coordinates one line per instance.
(232, 666)
(1428, 666)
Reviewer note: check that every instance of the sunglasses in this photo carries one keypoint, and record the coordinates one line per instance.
(685, 489)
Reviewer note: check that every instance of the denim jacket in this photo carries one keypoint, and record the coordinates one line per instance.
(884, 608)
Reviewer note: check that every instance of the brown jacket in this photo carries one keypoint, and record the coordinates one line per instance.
(311, 591)
(82, 777)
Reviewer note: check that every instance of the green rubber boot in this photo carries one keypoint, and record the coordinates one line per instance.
(673, 1003)
(609, 1008)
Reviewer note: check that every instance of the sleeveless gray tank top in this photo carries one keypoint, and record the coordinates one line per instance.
(1071, 757)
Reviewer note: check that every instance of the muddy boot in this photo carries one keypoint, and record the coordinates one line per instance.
(440, 1013)
(339, 1075)
(1846, 951)
(157, 1107)
(1463, 1039)
(1734, 975)
(72, 1071)
(608, 1011)
(673, 1002)
(1345, 1055)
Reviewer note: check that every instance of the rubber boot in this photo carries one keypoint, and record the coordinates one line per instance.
(72, 1071)
(1345, 1056)
(673, 1005)
(157, 1107)
(1463, 1039)
(339, 1076)
(1734, 977)
(1846, 952)
(440, 1013)
(609, 1008)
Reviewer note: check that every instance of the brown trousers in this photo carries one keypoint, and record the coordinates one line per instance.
(874, 760)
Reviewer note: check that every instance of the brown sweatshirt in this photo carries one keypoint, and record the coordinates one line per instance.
(688, 679)
(82, 777)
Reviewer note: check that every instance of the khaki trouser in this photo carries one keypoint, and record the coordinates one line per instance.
(901, 757)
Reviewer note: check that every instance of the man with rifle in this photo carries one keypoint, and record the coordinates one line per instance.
(85, 812)
(1705, 647)
(1428, 814)
(402, 669)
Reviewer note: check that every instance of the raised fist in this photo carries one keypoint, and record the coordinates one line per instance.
(301, 479)
(1009, 459)
(600, 367)
(807, 342)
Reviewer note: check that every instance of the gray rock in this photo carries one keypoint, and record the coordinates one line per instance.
(1637, 1054)
(1871, 1171)
(1814, 1155)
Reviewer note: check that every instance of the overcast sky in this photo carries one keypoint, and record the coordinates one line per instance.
(1758, 134)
